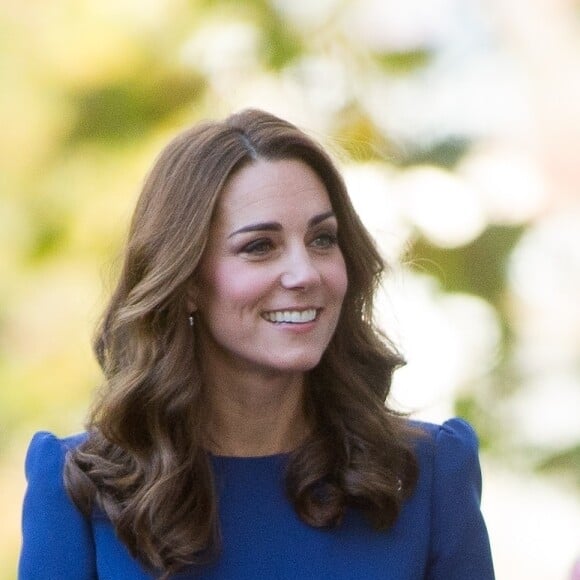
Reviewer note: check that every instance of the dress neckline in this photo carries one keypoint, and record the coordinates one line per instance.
(250, 458)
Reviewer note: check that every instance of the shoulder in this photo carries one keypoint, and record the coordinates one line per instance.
(48, 451)
(450, 482)
(46, 441)
(45, 461)
(452, 445)
(455, 430)
(56, 537)
(448, 458)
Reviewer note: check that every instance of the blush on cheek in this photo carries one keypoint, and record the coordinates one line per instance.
(338, 281)
(235, 284)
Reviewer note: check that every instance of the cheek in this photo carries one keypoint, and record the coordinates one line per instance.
(337, 279)
(234, 286)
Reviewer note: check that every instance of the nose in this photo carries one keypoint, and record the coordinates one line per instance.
(299, 271)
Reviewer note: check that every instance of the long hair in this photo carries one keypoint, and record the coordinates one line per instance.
(144, 464)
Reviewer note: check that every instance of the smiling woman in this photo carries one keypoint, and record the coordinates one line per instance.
(242, 430)
(269, 294)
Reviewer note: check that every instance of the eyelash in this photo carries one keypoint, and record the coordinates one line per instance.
(331, 239)
(262, 246)
(256, 247)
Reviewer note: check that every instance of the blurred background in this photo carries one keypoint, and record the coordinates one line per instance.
(457, 126)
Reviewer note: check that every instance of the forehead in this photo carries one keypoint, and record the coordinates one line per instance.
(272, 190)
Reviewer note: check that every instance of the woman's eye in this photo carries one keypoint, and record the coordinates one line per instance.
(258, 247)
(326, 240)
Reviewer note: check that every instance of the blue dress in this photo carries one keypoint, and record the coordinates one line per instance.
(440, 533)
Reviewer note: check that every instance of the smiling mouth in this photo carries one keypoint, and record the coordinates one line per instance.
(290, 316)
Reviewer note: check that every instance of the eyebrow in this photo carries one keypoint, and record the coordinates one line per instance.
(276, 227)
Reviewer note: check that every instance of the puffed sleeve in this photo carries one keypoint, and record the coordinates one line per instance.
(460, 544)
(57, 541)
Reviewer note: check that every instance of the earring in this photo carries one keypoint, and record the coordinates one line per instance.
(191, 321)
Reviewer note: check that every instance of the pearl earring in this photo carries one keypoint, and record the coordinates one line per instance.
(191, 321)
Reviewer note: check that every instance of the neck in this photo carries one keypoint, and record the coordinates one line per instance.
(256, 415)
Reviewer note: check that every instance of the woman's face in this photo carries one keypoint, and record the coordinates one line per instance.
(272, 280)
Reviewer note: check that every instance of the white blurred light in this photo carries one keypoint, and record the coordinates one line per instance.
(510, 185)
(477, 324)
(222, 46)
(545, 267)
(532, 523)
(322, 81)
(447, 340)
(445, 209)
(371, 190)
(545, 411)
(390, 25)
(471, 100)
(280, 96)
(408, 313)
(306, 13)
(544, 276)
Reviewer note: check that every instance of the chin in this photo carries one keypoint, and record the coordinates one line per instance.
(301, 365)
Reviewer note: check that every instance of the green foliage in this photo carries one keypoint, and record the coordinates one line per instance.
(404, 62)
(477, 268)
(446, 153)
(49, 237)
(131, 107)
(474, 410)
(564, 462)
(280, 43)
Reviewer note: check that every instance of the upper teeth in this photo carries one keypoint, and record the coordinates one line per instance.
(291, 315)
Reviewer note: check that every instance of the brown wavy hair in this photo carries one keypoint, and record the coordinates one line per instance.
(144, 463)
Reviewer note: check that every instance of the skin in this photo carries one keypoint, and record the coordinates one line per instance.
(272, 248)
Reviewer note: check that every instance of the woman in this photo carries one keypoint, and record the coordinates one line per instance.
(242, 431)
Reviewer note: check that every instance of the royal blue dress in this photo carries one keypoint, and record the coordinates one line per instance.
(440, 534)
